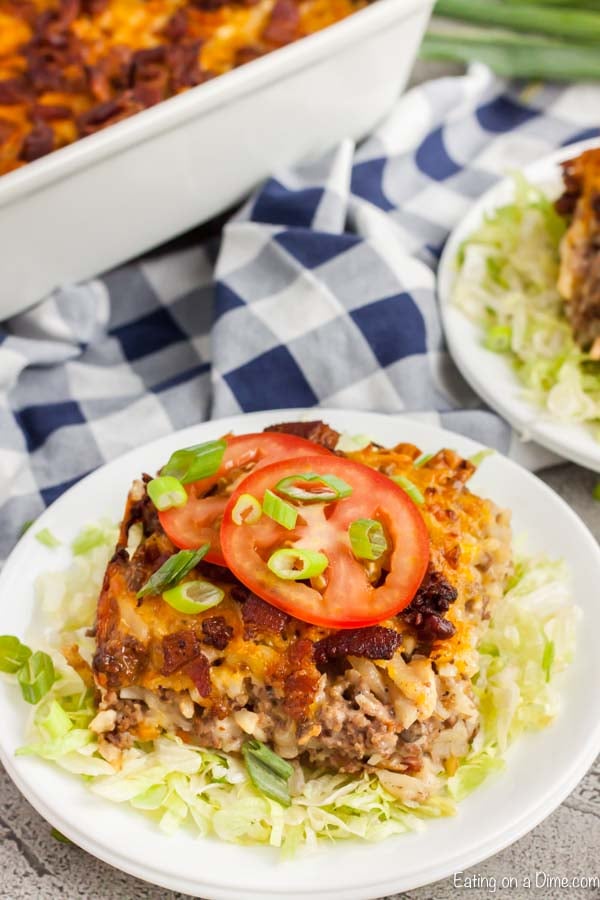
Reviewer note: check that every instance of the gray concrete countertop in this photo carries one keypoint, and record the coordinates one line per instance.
(35, 866)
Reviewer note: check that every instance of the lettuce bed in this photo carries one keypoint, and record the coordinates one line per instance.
(530, 640)
(507, 283)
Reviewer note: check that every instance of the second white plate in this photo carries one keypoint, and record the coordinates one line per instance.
(490, 374)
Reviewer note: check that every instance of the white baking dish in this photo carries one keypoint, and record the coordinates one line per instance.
(111, 196)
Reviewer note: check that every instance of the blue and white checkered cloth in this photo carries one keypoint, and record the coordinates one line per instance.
(321, 292)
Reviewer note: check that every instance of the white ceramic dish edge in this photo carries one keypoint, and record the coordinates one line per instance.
(483, 847)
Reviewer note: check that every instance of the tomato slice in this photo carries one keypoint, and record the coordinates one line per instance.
(351, 592)
(199, 521)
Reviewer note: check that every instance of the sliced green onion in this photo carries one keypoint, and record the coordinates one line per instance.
(247, 510)
(367, 539)
(87, 539)
(411, 489)
(193, 463)
(498, 338)
(46, 538)
(596, 491)
(278, 510)
(36, 677)
(352, 443)
(312, 488)
(268, 758)
(167, 492)
(25, 526)
(193, 596)
(293, 564)
(13, 654)
(268, 772)
(59, 836)
(173, 571)
(423, 460)
(478, 458)
(548, 658)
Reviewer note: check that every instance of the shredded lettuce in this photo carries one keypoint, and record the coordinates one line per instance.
(507, 283)
(530, 640)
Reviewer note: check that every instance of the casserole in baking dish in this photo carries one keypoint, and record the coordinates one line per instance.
(69, 68)
(99, 201)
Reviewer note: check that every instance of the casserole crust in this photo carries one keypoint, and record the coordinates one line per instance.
(69, 68)
(395, 698)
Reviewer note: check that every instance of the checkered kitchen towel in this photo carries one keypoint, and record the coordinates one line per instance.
(323, 293)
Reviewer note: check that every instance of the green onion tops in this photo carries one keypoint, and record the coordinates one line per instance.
(294, 564)
(194, 463)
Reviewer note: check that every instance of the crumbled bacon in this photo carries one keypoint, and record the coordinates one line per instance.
(317, 432)
(199, 671)
(283, 26)
(178, 649)
(108, 113)
(49, 112)
(217, 632)
(374, 642)
(259, 616)
(38, 142)
(426, 611)
(14, 90)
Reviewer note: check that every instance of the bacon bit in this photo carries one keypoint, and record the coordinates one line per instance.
(283, 26)
(426, 611)
(14, 90)
(184, 63)
(176, 27)
(245, 55)
(49, 112)
(452, 556)
(108, 113)
(317, 432)
(7, 129)
(300, 685)
(259, 616)
(374, 642)
(178, 649)
(38, 142)
(217, 632)
(199, 671)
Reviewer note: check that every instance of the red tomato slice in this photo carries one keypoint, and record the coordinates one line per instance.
(199, 521)
(349, 599)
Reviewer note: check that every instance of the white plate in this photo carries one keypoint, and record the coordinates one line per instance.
(489, 374)
(542, 768)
